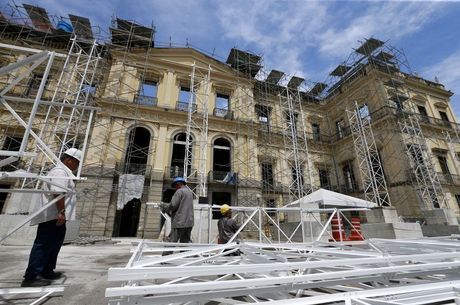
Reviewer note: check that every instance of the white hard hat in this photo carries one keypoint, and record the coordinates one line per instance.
(74, 153)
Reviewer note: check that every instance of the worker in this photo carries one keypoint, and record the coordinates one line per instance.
(181, 210)
(52, 222)
(226, 225)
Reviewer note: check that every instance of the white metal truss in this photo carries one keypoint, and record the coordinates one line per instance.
(373, 179)
(429, 187)
(295, 144)
(378, 271)
(199, 97)
(68, 116)
(39, 294)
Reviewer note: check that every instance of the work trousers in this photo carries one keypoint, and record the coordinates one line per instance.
(182, 235)
(44, 253)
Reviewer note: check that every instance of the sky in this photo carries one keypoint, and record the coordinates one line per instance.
(299, 37)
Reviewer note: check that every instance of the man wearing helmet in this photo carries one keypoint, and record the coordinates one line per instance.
(226, 225)
(181, 211)
(51, 222)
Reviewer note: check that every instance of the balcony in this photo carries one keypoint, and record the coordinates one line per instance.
(183, 106)
(133, 168)
(448, 179)
(223, 113)
(178, 171)
(222, 177)
(272, 186)
(146, 100)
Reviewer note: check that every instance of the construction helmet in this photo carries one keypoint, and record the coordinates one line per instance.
(224, 209)
(74, 153)
(178, 179)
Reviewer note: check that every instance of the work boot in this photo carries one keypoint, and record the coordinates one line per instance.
(36, 282)
(51, 275)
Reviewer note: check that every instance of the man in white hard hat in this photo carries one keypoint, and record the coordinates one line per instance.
(51, 222)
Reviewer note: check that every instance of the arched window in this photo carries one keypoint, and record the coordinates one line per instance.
(137, 151)
(178, 155)
(222, 161)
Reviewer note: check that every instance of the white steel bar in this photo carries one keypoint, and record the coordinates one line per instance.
(378, 292)
(39, 141)
(254, 283)
(124, 274)
(28, 219)
(85, 142)
(36, 102)
(30, 50)
(14, 66)
(48, 103)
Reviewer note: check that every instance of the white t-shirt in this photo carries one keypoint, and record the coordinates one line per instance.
(70, 198)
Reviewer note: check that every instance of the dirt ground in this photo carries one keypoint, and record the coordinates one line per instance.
(84, 266)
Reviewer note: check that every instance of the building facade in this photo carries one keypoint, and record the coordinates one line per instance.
(241, 135)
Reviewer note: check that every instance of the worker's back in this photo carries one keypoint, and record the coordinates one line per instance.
(182, 209)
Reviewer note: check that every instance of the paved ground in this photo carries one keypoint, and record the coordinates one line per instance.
(85, 270)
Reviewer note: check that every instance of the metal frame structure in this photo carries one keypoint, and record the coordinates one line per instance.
(41, 294)
(296, 146)
(373, 179)
(377, 271)
(199, 95)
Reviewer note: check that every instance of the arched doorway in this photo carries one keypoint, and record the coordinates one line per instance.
(135, 163)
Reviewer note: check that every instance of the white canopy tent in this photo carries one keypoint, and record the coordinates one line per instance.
(323, 198)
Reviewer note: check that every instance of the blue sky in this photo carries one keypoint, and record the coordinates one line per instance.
(299, 37)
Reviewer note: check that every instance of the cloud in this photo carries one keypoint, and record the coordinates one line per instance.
(290, 33)
(448, 73)
(384, 20)
(281, 29)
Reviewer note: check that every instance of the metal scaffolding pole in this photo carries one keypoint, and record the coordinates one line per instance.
(373, 179)
(198, 101)
(296, 146)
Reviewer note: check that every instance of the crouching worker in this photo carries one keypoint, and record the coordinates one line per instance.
(226, 225)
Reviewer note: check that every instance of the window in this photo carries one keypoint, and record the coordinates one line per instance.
(148, 93)
(184, 99)
(267, 176)
(270, 203)
(457, 197)
(34, 85)
(324, 178)
(178, 156)
(222, 101)
(443, 163)
(458, 156)
(89, 89)
(11, 144)
(316, 132)
(222, 106)
(363, 112)
(339, 127)
(263, 115)
(423, 114)
(422, 110)
(297, 178)
(444, 116)
(293, 121)
(349, 177)
(221, 159)
(184, 95)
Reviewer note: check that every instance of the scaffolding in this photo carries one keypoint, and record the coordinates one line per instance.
(199, 124)
(378, 271)
(373, 179)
